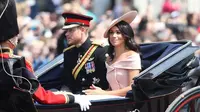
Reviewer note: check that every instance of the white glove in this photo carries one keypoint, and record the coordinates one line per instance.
(82, 101)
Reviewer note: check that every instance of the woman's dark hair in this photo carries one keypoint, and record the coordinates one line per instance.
(127, 32)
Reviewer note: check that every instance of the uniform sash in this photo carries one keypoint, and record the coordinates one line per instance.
(83, 60)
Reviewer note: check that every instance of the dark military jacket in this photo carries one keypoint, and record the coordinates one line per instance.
(93, 72)
(12, 98)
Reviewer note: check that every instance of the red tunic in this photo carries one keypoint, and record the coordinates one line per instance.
(41, 95)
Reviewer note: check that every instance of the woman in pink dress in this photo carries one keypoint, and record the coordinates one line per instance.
(123, 60)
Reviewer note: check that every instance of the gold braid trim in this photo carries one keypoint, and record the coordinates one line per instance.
(68, 48)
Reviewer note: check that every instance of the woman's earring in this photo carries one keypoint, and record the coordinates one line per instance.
(113, 53)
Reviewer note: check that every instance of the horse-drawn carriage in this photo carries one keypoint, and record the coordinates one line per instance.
(166, 73)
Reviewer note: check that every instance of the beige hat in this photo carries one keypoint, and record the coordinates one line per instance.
(128, 17)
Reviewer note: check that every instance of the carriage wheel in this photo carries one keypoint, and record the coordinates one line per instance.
(189, 100)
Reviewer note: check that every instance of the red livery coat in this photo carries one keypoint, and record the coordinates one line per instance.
(41, 95)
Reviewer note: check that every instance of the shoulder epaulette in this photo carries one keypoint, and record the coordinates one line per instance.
(68, 48)
(99, 43)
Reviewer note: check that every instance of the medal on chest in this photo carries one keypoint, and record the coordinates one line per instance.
(79, 58)
(90, 67)
(95, 80)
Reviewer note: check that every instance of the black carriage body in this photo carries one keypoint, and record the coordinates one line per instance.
(158, 61)
(158, 104)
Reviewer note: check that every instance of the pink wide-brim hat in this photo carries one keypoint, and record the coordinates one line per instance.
(128, 17)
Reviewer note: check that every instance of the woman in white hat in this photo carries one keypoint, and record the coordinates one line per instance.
(123, 60)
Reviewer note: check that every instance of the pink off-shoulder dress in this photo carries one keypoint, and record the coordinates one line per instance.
(117, 73)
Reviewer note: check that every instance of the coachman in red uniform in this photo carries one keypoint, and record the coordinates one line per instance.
(17, 81)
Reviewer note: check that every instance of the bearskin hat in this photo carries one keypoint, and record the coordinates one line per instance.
(8, 20)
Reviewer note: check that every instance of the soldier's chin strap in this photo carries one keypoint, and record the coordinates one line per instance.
(13, 76)
(13, 43)
(4, 8)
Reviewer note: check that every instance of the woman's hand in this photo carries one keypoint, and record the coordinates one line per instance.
(94, 90)
(93, 87)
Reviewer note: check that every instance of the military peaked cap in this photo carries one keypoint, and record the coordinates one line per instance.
(74, 20)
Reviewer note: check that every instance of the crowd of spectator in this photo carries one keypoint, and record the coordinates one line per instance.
(42, 38)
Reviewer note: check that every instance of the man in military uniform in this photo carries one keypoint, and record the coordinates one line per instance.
(84, 61)
(15, 91)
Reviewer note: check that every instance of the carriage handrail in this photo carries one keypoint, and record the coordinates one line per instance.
(58, 60)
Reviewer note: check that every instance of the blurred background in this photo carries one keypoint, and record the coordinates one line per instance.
(41, 38)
